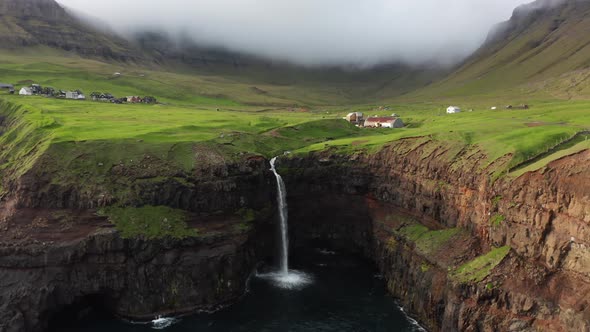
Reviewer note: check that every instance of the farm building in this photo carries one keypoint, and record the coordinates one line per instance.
(75, 95)
(99, 96)
(354, 117)
(453, 110)
(134, 99)
(37, 89)
(384, 122)
(8, 87)
(26, 92)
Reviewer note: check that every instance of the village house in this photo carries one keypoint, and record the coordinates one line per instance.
(8, 87)
(453, 110)
(150, 100)
(134, 99)
(355, 117)
(36, 89)
(384, 122)
(99, 96)
(48, 91)
(75, 95)
(26, 91)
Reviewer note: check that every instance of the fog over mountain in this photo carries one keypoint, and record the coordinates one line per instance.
(316, 32)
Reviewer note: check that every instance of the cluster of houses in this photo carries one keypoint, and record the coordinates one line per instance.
(38, 90)
(358, 119)
(107, 97)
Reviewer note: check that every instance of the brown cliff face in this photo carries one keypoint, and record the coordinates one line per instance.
(543, 216)
(132, 278)
(55, 251)
(357, 203)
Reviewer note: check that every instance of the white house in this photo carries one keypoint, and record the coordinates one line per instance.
(453, 110)
(75, 95)
(384, 122)
(354, 117)
(26, 92)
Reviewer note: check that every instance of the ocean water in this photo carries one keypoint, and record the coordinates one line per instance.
(340, 293)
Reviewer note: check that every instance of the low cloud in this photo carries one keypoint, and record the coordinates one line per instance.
(316, 32)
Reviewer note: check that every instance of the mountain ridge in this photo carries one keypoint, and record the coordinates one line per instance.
(539, 49)
(30, 23)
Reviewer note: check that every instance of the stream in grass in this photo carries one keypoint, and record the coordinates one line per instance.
(343, 294)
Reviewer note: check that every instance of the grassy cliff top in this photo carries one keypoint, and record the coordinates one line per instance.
(234, 114)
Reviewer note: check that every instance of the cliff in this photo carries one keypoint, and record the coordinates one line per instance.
(440, 224)
(463, 248)
(133, 278)
(63, 249)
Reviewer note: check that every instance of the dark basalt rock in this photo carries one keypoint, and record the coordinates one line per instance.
(135, 278)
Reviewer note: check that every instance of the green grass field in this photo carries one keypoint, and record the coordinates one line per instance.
(215, 87)
(204, 119)
(229, 116)
(522, 133)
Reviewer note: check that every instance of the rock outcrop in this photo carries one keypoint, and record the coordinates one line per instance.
(132, 278)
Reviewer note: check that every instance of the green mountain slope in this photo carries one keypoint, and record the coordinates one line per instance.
(44, 29)
(543, 49)
(32, 23)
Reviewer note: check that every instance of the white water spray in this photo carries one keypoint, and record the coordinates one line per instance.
(283, 214)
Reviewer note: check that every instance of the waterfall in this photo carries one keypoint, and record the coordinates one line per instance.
(285, 278)
(283, 214)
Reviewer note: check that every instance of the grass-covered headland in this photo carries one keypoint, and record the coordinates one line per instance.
(205, 118)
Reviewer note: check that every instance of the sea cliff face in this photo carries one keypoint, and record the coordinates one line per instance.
(59, 254)
(541, 217)
(463, 249)
(133, 278)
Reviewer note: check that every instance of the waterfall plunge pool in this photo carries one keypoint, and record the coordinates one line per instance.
(343, 293)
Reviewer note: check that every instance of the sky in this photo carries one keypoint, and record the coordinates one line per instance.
(316, 32)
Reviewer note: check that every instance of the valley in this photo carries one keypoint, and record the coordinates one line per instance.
(477, 221)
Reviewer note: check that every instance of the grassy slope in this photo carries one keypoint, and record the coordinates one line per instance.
(216, 86)
(523, 133)
(541, 60)
(190, 101)
(543, 55)
(529, 66)
(218, 113)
